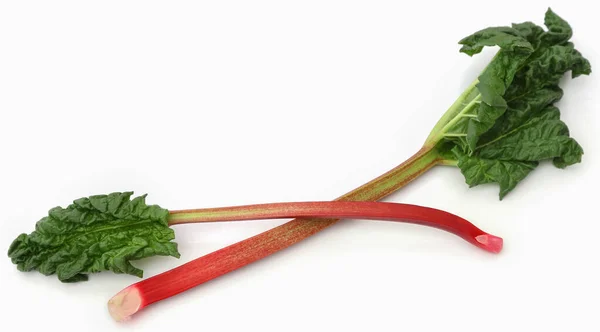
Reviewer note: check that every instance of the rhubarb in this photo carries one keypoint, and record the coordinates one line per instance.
(345, 210)
(497, 131)
(108, 232)
(140, 295)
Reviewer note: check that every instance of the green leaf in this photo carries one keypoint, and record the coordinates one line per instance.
(505, 37)
(517, 124)
(507, 174)
(547, 68)
(543, 137)
(98, 233)
(496, 77)
(520, 109)
(530, 31)
(559, 31)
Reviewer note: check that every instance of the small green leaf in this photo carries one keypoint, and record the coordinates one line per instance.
(504, 37)
(98, 233)
(559, 31)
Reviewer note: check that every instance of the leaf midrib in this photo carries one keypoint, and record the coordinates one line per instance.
(112, 228)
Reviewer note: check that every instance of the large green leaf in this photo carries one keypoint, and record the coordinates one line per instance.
(517, 124)
(103, 232)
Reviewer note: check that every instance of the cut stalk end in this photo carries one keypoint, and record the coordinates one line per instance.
(490, 242)
(126, 303)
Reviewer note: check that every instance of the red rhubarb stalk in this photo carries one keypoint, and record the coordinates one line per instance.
(345, 210)
(134, 298)
(497, 131)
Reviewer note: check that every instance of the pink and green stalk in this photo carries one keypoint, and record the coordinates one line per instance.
(133, 298)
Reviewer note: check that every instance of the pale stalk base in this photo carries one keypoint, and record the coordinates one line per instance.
(126, 303)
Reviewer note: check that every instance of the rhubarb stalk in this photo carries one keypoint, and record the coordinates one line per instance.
(345, 210)
(135, 297)
(497, 131)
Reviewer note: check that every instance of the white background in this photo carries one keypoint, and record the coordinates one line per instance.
(217, 103)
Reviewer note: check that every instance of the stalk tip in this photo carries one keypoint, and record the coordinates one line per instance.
(490, 242)
(126, 303)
